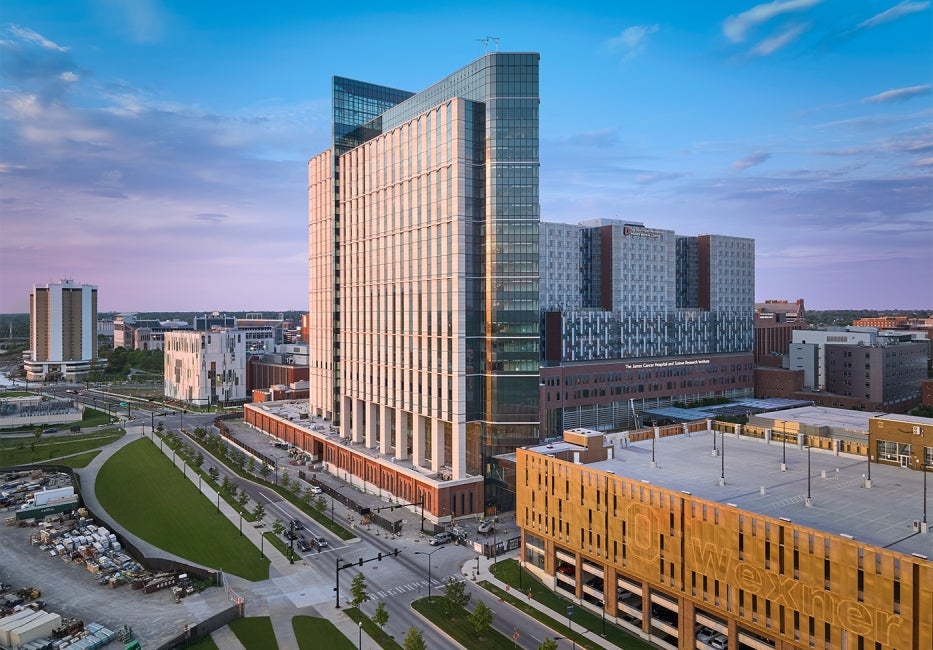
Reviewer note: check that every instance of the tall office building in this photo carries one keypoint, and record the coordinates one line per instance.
(423, 228)
(62, 331)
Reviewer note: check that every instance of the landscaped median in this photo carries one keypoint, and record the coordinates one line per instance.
(142, 491)
(585, 623)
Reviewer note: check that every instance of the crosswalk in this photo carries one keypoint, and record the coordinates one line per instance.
(417, 585)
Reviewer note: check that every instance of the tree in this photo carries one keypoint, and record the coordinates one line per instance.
(199, 459)
(213, 473)
(455, 597)
(259, 512)
(549, 644)
(321, 503)
(265, 470)
(252, 465)
(358, 589)
(243, 499)
(225, 485)
(278, 527)
(481, 619)
(381, 615)
(285, 482)
(414, 640)
(160, 428)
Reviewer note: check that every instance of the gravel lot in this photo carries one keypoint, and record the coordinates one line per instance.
(70, 590)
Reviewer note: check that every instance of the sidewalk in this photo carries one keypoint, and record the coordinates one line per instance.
(485, 573)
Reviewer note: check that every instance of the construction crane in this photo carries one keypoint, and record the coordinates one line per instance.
(485, 41)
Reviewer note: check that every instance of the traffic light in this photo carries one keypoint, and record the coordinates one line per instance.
(396, 553)
(361, 562)
(380, 557)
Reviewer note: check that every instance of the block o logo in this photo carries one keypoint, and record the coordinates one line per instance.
(643, 527)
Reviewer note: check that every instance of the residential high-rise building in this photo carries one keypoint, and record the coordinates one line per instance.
(423, 225)
(637, 317)
(62, 331)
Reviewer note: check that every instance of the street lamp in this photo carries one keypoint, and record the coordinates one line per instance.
(809, 496)
(722, 457)
(784, 447)
(361, 635)
(429, 554)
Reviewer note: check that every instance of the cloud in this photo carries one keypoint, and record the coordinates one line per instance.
(600, 139)
(898, 94)
(750, 161)
(899, 10)
(924, 162)
(736, 28)
(632, 40)
(211, 217)
(36, 64)
(773, 44)
(649, 178)
(145, 21)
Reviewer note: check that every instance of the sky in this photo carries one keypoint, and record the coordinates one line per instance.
(158, 148)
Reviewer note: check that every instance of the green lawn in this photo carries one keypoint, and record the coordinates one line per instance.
(255, 632)
(460, 628)
(314, 633)
(206, 643)
(78, 461)
(508, 572)
(141, 489)
(19, 451)
(375, 632)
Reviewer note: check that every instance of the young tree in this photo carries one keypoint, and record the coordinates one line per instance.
(381, 615)
(455, 597)
(199, 459)
(225, 485)
(285, 482)
(259, 512)
(243, 499)
(414, 640)
(252, 465)
(549, 644)
(278, 527)
(265, 470)
(321, 503)
(213, 473)
(358, 589)
(481, 619)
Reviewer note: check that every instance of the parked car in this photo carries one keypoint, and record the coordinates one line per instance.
(297, 525)
(567, 569)
(719, 642)
(50, 430)
(315, 489)
(441, 538)
(486, 526)
(705, 635)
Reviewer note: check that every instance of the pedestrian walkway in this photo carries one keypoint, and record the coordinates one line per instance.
(485, 573)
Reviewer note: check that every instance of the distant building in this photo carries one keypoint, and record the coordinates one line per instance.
(203, 368)
(775, 323)
(143, 334)
(284, 367)
(634, 316)
(62, 331)
(882, 322)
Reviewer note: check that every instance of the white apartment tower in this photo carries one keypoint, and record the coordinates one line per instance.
(62, 331)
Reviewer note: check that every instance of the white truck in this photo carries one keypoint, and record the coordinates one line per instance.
(45, 497)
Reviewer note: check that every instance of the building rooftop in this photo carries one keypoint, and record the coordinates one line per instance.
(883, 515)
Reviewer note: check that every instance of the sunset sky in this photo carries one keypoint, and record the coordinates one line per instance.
(158, 149)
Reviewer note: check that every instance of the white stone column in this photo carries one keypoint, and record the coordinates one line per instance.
(385, 423)
(401, 442)
(358, 408)
(345, 415)
(458, 450)
(417, 440)
(372, 423)
(437, 445)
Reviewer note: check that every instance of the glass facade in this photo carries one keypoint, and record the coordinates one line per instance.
(433, 279)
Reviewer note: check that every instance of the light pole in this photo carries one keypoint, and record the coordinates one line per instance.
(722, 457)
(809, 496)
(784, 447)
(429, 554)
(361, 635)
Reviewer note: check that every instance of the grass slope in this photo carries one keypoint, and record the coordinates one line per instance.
(313, 633)
(20, 451)
(141, 489)
(255, 632)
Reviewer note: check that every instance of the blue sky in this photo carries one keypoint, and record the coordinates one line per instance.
(158, 148)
